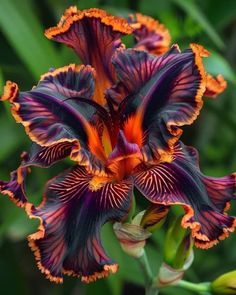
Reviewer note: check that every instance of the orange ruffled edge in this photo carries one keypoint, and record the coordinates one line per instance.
(215, 85)
(11, 90)
(107, 269)
(199, 52)
(72, 15)
(20, 180)
(196, 226)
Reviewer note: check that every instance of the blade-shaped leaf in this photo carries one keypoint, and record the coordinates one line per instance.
(21, 27)
(192, 9)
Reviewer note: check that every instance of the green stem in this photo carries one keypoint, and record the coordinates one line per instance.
(202, 288)
(145, 266)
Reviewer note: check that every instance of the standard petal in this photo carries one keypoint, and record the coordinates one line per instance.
(71, 216)
(15, 188)
(164, 92)
(149, 34)
(215, 85)
(59, 109)
(205, 199)
(94, 35)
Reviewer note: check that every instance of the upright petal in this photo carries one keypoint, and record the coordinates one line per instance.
(94, 35)
(204, 198)
(71, 216)
(59, 109)
(149, 34)
(165, 92)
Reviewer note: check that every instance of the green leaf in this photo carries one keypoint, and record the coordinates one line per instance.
(1, 80)
(84, 4)
(192, 9)
(23, 30)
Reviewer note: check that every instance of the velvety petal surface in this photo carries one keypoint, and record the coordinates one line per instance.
(45, 156)
(161, 93)
(71, 216)
(204, 198)
(46, 112)
(60, 110)
(94, 35)
(149, 34)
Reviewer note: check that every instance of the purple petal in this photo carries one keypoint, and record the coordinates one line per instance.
(166, 90)
(72, 214)
(204, 198)
(149, 34)
(94, 35)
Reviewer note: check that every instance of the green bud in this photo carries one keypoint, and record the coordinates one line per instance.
(183, 252)
(225, 284)
(132, 238)
(174, 241)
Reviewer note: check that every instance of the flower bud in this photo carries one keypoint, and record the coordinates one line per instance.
(178, 246)
(132, 238)
(154, 217)
(170, 276)
(225, 284)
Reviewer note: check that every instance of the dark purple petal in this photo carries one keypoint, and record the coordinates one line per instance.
(47, 156)
(204, 198)
(48, 112)
(149, 34)
(167, 91)
(94, 35)
(76, 206)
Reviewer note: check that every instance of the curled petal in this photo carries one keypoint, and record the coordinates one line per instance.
(15, 188)
(59, 109)
(94, 35)
(71, 216)
(215, 85)
(10, 91)
(45, 112)
(149, 34)
(164, 92)
(204, 198)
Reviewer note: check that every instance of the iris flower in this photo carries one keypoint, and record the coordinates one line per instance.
(118, 117)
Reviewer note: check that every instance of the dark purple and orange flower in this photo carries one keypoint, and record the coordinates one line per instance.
(119, 118)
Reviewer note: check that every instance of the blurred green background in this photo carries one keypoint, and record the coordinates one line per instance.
(25, 54)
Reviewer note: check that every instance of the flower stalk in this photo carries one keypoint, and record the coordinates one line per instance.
(150, 289)
(201, 288)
